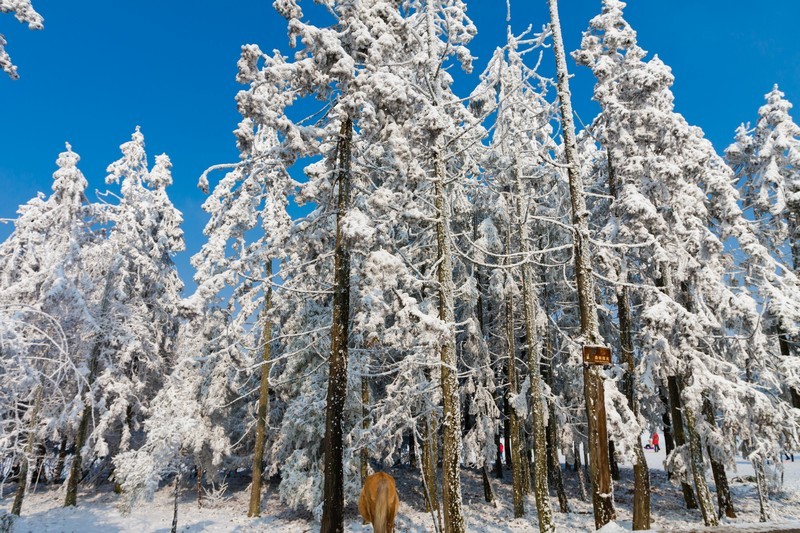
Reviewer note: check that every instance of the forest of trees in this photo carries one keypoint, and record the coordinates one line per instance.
(458, 253)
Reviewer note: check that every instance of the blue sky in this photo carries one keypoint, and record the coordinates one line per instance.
(100, 67)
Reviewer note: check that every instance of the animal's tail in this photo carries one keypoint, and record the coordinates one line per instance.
(381, 509)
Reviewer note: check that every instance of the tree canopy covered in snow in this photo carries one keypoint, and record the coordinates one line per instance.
(429, 299)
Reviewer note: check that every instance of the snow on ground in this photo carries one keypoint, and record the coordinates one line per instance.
(42, 511)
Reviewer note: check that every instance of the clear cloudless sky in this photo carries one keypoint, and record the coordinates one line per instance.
(100, 68)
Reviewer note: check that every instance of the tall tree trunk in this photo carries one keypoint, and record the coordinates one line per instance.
(641, 472)
(724, 502)
(451, 411)
(263, 400)
(22, 484)
(602, 492)
(541, 489)
(513, 418)
(527, 489)
(333, 488)
(677, 432)
(488, 493)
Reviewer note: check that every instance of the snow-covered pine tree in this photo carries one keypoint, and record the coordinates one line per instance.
(766, 162)
(129, 358)
(673, 191)
(23, 11)
(199, 413)
(45, 283)
(366, 35)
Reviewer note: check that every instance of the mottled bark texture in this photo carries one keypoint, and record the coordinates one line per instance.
(333, 485)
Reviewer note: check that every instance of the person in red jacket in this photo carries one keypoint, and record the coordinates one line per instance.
(656, 447)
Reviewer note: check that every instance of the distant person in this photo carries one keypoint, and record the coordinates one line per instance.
(654, 440)
(502, 455)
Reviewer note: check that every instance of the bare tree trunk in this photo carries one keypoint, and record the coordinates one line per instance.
(724, 502)
(263, 401)
(527, 489)
(22, 484)
(507, 426)
(333, 488)
(451, 411)
(602, 492)
(540, 486)
(412, 452)
(513, 418)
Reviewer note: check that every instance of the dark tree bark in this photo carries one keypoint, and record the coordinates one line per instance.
(333, 487)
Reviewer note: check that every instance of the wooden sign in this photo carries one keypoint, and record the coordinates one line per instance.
(597, 355)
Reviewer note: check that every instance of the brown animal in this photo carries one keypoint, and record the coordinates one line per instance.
(378, 502)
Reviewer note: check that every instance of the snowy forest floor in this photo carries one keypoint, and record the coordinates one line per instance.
(97, 510)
